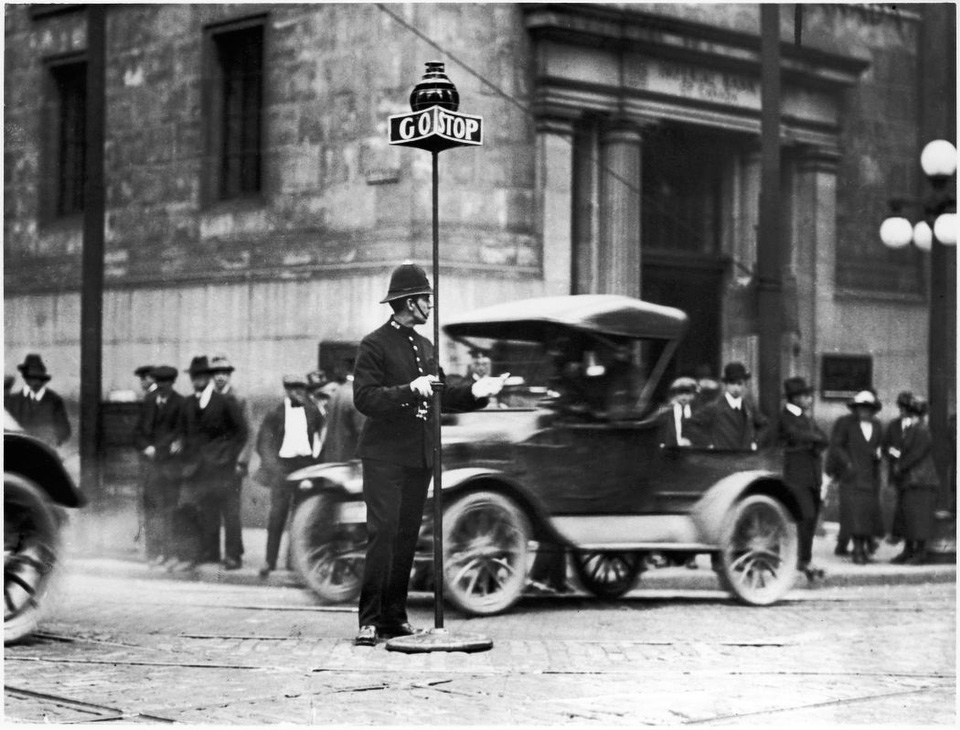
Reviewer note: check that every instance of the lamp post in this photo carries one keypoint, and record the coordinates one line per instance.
(936, 231)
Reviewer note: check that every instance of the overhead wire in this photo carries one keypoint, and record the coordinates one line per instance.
(528, 110)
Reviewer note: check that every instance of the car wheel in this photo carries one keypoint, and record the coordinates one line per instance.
(758, 555)
(485, 549)
(607, 574)
(31, 544)
(327, 555)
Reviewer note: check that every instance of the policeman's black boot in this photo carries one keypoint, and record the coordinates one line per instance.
(859, 551)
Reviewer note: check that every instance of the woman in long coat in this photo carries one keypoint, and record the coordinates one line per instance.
(917, 475)
(854, 460)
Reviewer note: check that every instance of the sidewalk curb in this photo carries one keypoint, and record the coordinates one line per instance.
(703, 578)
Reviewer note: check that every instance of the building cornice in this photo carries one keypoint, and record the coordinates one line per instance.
(632, 30)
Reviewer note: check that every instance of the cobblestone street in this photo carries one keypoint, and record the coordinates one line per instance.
(198, 653)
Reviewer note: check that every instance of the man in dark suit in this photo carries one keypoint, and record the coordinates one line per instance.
(213, 434)
(395, 377)
(228, 510)
(158, 428)
(344, 423)
(38, 409)
(802, 442)
(731, 422)
(288, 440)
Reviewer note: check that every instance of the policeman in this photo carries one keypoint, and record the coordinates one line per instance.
(395, 376)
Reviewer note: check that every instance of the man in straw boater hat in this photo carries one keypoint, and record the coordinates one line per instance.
(38, 409)
(802, 442)
(394, 379)
(854, 461)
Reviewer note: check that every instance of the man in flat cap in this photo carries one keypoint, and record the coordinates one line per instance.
(731, 422)
(676, 426)
(38, 409)
(213, 433)
(158, 427)
(147, 382)
(288, 440)
(228, 512)
(395, 376)
(802, 442)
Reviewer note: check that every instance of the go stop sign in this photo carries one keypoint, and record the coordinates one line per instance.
(436, 129)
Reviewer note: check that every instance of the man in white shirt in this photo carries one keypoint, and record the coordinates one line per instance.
(288, 440)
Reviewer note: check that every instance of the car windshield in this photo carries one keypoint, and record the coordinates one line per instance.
(582, 373)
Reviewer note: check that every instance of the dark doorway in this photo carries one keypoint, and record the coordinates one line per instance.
(692, 284)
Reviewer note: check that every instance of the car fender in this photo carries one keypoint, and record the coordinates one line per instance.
(709, 511)
(466, 479)
(31, 458)
(345, 477)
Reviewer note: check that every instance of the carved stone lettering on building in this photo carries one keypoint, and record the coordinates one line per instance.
(705, 84)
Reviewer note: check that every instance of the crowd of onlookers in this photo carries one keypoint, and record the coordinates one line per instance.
(855, 452)
(195, 451)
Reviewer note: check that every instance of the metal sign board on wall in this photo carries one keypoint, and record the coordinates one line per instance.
(843, 376)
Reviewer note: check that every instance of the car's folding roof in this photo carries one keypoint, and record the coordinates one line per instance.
(537, 319)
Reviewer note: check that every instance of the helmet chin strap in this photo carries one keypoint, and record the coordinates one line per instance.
(416, 303)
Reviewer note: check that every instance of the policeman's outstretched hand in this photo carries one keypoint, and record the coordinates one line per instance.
(488, 386)
(424, 385)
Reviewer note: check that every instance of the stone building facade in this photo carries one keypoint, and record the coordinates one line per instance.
(254, 206)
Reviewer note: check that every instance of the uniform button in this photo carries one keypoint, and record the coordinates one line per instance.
(414, 347)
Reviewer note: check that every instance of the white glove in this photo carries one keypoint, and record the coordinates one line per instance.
(488, 386)
(424, 385)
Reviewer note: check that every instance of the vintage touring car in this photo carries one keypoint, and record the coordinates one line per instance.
(36, 489)
(569, 454)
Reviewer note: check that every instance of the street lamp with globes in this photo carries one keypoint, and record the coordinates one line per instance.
(934, 233)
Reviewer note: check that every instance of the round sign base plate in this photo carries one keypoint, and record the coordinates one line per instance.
(439, 640)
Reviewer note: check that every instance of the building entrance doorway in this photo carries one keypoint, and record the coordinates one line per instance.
(693, 285)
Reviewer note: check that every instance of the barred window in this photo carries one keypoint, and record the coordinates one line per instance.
(234, 90)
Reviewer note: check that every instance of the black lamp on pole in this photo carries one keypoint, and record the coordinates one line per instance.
(936, 233)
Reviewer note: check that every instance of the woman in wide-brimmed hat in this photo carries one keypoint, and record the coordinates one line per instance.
(854, 460)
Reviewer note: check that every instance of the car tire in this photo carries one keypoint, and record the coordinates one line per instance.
(758, 551)
(327, 555)
(607, 574)
(486, 551)
(31, 548)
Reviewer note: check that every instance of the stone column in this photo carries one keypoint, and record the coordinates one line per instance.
(814, 257)
(555, 186)
(619, 264)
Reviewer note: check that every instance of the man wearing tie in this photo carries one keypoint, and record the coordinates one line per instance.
(39, 410)
(731, 423)
(157, 430)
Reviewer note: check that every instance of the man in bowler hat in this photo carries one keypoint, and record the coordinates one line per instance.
(731, 422)
(802, 442)
(395, 377)
(213, 433)
(157, 429)
(38, 409)
(288, 440)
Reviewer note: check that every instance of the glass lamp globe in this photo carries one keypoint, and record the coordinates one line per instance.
(939, 159)
(945, 229)
(896, 232)
(922, 236)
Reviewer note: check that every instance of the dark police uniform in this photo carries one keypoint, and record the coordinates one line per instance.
(396, 446)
